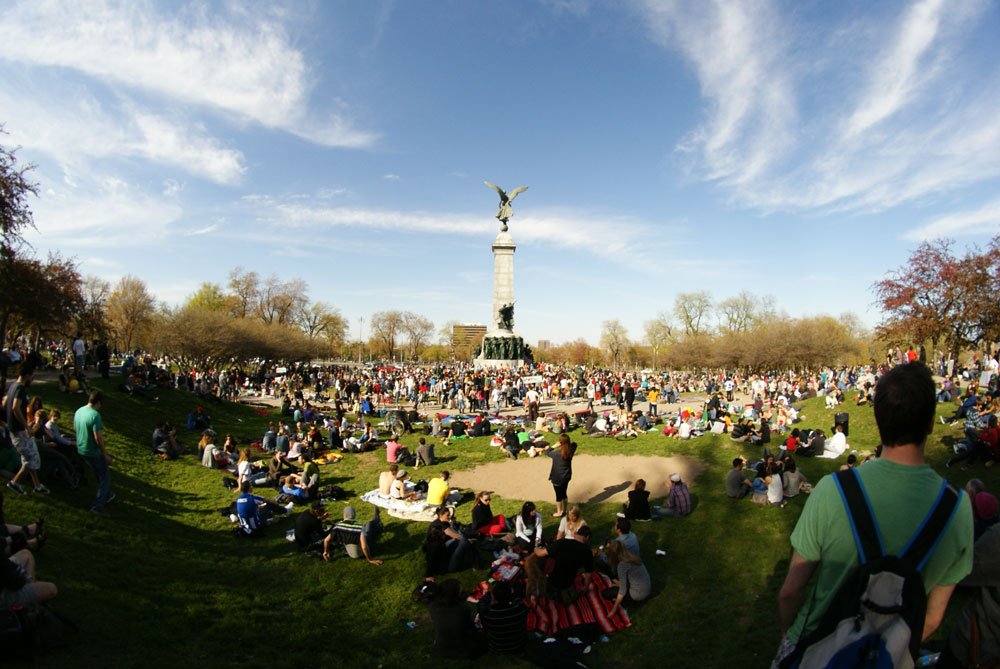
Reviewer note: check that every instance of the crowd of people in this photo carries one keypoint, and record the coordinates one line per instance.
(330, 412)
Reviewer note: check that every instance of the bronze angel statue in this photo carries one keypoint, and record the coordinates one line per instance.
(505, 212)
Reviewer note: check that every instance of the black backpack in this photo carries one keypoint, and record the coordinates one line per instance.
(877, 616)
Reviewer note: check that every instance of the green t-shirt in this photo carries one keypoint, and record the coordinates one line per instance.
(86, 421)
(901, 496)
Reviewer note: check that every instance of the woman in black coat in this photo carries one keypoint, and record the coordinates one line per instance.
(562, 471)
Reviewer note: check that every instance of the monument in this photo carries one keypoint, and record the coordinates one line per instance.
(501, 346)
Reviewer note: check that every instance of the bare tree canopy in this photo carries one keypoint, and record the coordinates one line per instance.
(692, 310)
(614, 340)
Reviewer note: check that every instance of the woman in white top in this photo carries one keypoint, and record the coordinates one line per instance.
(571, 522)
(775, 489)
(528, 527)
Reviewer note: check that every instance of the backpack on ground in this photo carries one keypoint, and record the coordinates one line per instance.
(877, 616)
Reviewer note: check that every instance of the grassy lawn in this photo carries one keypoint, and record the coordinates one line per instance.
(163, 583)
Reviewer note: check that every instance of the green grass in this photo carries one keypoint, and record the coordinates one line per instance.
(163, 583)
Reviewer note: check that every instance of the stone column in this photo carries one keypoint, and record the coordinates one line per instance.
(503, 278)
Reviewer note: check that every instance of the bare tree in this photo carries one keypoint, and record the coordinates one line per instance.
(418, 330)
(93, 313)
(659, 333)
(15, 219)
(614, 340)
(245, 288)
(386, 327)
(692, 310)
(130, 309)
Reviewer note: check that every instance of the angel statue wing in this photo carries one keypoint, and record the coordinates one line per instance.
(503, 196)
(514, 193)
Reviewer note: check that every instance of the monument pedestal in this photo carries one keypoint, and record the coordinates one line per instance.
(502, 347)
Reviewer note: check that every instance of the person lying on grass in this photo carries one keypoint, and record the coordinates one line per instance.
(18, 585)
(15, 538)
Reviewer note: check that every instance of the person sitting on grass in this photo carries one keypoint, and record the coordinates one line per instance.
(425, 453)
(570, 555)
(165, 441)
(296, 486)
(836, 446)
(18, 586)
(737, 483)
(402, 488)
(212, 456)
(637, 507)
(446, 549)
(483, 520)
(505, 619)
(396, 452)
(198, 419)
(457, 430)
(356, 538)
(386, 479)
(793, 480)
(310, 535)
(365, 442)
(438, 489)
(631, 580)
(528, 528)
(984, 444)
(678, 500)
(455, 635)
(253, 511)
(570, 524)
(278, 467)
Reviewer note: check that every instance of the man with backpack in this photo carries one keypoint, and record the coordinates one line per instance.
(884, 544)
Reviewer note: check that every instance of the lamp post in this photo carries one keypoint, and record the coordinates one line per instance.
(361, 324)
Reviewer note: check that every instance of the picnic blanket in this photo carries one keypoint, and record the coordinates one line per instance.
(549, 616)
(398, 508)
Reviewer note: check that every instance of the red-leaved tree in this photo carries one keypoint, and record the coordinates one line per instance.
(944, 298)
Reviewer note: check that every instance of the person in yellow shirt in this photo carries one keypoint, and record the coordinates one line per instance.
(653, 395)
(437, 489)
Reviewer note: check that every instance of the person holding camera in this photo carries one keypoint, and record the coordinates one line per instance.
(165, 441)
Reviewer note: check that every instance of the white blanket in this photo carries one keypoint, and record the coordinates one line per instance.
(398, 508)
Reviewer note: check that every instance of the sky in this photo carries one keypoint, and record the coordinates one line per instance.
(793, 149)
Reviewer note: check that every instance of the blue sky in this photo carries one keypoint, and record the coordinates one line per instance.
(794, 149)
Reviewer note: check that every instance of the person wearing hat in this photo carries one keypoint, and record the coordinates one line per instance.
(984, 513)
(398, 489)
(678, 500)
(355, 537)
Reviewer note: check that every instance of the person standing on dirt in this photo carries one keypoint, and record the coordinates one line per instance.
(562, 471)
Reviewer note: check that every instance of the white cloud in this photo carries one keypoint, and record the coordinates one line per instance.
(984, 221)
(390, 177)
(896, 75)
(564, 228)
(103, 211)
(80, 128)
(203, 231)
(735, 49)
(798, 116)
(172, 188)
(240, 63)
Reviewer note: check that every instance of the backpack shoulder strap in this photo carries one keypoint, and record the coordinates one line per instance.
(920, 547)
(859, 513)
